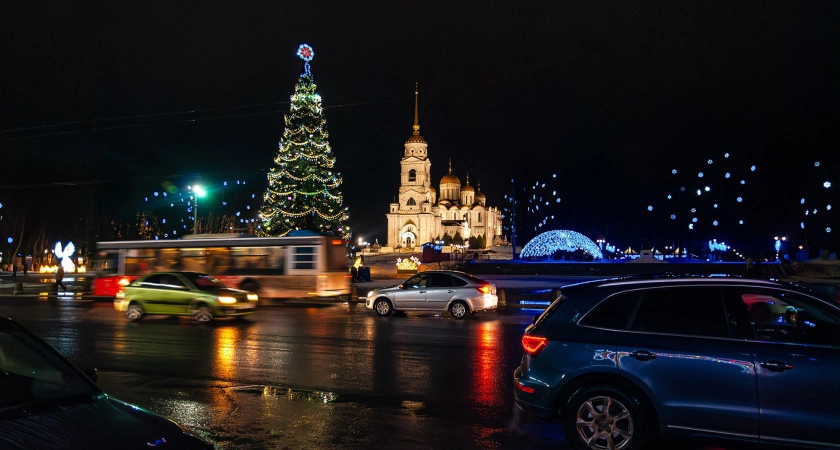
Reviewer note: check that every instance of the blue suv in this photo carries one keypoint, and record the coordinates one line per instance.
(623, 362)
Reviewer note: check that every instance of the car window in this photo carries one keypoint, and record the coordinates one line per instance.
(780, 316)
(417, 281)
(205, 282)
(613, 312)
(152, 281)
(441, 280)
(163, 281)
(690, 310)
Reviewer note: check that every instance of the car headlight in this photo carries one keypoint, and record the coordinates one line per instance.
(252, 297)
(370, 294)
(227, 300)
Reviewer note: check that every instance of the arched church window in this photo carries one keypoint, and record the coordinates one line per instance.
(479, 217)
(411, 202)
(412, 176)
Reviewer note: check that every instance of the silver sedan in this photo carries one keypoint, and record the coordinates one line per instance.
(437, 290)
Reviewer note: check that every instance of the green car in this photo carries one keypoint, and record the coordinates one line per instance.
(183, 294)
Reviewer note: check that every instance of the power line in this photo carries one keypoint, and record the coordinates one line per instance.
(92, 123)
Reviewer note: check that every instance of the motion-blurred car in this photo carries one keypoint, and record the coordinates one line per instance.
(183, 294)
(436, 290)
(47, 402)
(625, 361)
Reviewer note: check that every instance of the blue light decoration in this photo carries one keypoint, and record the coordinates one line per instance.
(550, 242)
(715, 245)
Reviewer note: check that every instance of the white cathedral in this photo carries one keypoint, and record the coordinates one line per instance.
(420, 217)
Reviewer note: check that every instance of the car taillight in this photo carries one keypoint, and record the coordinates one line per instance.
(484, 289)
(533, 345)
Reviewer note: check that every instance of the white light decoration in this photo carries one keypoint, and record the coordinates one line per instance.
(693, 210)
(828, 207)
(715, 205)
(714, 245)
(828, 229)
(691, 226)
(726, 155)
(743, 182)
(816, 163)
(727, 175)
(673, 216)
(700, 175)
(674, 171)
(699, 192)
(715, 223)
(669, 196)
(710, 162)
(802, 202)
(650, 208)
(693, 220)
(802, 225)
(64, 254)
(752, 169)
(740, 199)
(707, 189)
(548, 243)
(827, 184)
(740, 222)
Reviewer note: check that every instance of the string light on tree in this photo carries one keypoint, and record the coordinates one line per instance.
(303, 191)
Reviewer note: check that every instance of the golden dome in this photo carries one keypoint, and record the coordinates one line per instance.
(415, 139)
(449, 178)
(467, 188)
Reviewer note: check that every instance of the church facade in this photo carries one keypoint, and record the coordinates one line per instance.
(422, 214)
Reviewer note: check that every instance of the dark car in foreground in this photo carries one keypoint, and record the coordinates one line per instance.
(183, 294)
(623, 362)
(438, 291)
(46, 402)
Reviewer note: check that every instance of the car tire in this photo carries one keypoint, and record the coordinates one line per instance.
(604, 417)
(203, 314)
(134, 312)
(382, 307)
(459, 309)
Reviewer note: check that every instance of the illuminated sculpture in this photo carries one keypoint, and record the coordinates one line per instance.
(548, 243)
(64, 255)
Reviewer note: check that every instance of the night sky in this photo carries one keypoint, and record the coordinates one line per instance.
(104, 101)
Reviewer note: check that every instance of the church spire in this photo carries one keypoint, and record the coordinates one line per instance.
(416, 126)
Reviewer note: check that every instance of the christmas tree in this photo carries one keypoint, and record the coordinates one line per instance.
(303, 191)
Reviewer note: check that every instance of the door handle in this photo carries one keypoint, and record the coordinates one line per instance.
(776, 366)
(450, 291)
(642, 355)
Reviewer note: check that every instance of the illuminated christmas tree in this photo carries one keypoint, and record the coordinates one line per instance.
(303, 191)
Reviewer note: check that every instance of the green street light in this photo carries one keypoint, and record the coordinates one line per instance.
(198, 191)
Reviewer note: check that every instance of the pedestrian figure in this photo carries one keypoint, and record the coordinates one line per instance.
(14, 272)
(59, 280)
(749, 266)
(24, 270)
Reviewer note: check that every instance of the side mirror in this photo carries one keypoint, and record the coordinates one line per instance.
(402, 286)
(92, 373)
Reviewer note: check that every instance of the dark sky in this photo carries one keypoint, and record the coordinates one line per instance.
(104, 100)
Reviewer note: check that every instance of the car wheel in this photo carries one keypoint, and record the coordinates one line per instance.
(382, 307)
(134, 312)
(604, 417)
(459, 309)
(203, 314)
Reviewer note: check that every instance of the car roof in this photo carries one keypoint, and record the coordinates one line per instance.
(595, 290)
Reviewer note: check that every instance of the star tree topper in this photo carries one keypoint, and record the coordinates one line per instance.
(305, 53)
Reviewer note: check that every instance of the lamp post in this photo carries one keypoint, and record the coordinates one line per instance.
(198, 191)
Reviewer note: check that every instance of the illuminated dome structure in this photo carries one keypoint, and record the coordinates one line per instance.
(546, 244)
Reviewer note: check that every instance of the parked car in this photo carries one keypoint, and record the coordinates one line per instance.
(47, 402)
(435, 290)
(623, 362)
(183, 294)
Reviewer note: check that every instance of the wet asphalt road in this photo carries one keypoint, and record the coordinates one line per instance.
(304, 375)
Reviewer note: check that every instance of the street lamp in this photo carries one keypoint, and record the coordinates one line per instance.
(198, 191)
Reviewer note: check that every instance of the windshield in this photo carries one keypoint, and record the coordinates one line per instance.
(32, 372)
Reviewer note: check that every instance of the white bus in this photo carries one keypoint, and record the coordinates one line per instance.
(303, 265)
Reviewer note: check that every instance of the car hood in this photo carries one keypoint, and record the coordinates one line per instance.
(98, 422)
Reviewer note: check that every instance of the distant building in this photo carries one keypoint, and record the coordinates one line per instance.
(419, 216)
